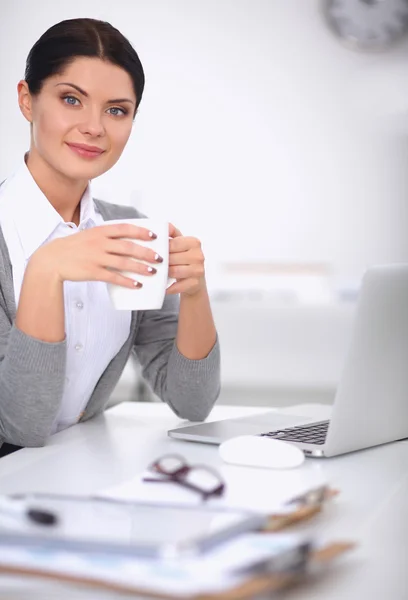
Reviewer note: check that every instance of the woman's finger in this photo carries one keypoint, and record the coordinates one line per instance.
(189, 257)
(173, 231)
(182, 244)
(117, 278)
(126, 230)
(186, 271)
(124, 263)
(132, 249)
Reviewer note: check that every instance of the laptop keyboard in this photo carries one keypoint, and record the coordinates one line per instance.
(315, 433)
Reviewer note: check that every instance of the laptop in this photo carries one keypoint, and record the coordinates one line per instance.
(371, 402)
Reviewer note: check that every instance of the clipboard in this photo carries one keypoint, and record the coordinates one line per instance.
(134, 529)
(246, 589)
(248, 586)
(300, 508)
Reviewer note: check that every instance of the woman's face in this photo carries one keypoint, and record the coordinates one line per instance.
(91, 104)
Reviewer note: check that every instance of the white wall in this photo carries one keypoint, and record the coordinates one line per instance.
(258, 131)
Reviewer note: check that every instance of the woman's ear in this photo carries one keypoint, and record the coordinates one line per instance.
(25, 100)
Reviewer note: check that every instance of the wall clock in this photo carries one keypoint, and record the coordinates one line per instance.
(367, 24)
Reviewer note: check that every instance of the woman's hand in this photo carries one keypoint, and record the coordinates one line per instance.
(186, 264)
(98, 254)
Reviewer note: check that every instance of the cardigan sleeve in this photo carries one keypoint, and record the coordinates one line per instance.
(32, 375)
(189, 387)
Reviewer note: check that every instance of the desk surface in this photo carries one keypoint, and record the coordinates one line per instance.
(372, 508)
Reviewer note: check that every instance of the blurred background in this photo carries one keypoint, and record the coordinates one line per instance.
(276, 132)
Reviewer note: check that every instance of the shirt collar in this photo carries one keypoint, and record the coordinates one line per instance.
(34, 216)
(87, 214)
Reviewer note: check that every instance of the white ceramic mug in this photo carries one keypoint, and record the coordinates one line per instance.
(151, 295)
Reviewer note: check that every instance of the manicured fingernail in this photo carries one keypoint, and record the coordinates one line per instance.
(152, 235)
(152, 270)
(137, 284)
(158, 258)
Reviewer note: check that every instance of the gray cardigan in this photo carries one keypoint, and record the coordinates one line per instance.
(32, 372)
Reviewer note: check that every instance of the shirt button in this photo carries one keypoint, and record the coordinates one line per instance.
(80, 305)
(78, 347)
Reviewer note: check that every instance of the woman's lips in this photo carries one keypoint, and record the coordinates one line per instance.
(86, 152)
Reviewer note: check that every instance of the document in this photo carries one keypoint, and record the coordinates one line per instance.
(259, 490)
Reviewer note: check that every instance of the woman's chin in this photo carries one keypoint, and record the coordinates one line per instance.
(82, 171)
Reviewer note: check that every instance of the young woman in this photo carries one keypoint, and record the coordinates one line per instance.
(63, 346)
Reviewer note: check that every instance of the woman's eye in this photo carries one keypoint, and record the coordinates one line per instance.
(116, 111)
(70, 100)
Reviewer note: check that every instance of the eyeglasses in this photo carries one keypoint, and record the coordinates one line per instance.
(198, 478)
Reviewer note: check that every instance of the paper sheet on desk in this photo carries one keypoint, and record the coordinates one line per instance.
(260, 490)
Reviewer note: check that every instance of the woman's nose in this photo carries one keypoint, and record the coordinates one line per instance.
(92, 125)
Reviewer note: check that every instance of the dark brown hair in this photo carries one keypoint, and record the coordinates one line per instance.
(69, 39)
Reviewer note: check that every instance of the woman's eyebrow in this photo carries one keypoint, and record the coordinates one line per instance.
(81, 91)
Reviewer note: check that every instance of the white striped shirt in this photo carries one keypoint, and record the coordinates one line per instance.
(95, 331)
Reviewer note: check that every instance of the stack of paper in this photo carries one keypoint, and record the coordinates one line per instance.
(219, 569)
(241, 567)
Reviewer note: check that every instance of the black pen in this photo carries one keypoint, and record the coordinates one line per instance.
(19, 509)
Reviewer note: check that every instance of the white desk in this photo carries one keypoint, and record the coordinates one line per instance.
(372, 508)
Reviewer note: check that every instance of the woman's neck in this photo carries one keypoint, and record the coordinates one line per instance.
(63, 194)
